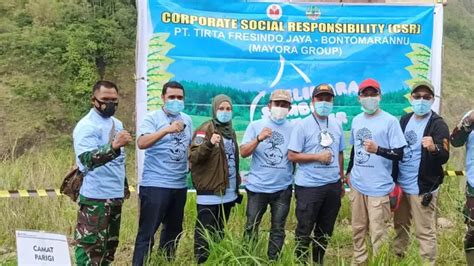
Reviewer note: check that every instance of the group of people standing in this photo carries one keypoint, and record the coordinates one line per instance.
(304, 156)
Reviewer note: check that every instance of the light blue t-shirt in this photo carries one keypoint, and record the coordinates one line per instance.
(371, 173)
(106, 181)
(230, 194)
(410, 165)
(166, 162)
(470, 159)
(270, 169)
(310, 136)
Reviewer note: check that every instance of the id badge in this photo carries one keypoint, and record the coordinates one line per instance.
(325, 139)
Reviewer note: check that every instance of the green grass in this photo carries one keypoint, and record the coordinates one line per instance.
(44, 169)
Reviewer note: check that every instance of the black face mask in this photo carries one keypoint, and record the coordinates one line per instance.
(106, 109)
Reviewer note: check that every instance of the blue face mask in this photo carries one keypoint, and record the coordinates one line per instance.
(224, 116)
(323, 108)
(421, 107)
(174, 106)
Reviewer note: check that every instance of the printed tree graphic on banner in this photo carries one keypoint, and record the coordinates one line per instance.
(157, 63)
(420, 68)
(273, 155)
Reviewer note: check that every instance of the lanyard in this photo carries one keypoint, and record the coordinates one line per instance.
(325, 138)
(317, 122)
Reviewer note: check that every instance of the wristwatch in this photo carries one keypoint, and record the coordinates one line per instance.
(259, 140)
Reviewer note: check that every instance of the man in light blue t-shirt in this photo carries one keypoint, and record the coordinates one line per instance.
(463, 134)
(377, 141)
(270, 177)
(317, 145)
(165, 135)
(99, 140)
(420, 173)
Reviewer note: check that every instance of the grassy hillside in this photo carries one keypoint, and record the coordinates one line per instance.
(51, 51)
(458, 65)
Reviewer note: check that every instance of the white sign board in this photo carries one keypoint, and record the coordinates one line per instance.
(39, 248)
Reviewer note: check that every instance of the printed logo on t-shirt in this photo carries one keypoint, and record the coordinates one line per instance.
(230, 154)
(273, 154)
(411, 139)
(361, 156)
(178, 147)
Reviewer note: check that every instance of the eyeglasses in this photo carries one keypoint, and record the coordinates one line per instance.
(425, 97)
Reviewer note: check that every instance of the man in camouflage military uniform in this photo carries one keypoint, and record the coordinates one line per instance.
(99, 141)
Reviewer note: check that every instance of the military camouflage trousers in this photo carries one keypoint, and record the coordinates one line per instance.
(97, 231)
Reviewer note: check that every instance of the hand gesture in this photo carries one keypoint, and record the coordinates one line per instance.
(468, 119)
(325, 156)
(427, 143)
(370, 146)
(215, 139)
(121, 139)
(265, 134)
(176, 127)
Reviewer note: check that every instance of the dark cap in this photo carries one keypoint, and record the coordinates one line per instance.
(423, 84)
(323, 88)
(369, 83)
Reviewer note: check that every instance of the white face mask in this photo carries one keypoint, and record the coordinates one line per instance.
(278, 114)
(370, 104)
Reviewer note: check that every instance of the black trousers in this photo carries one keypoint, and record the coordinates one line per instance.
(316, 212)
(159, 206)
(210, 223)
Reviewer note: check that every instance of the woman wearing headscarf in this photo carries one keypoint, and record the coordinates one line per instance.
(214, 159)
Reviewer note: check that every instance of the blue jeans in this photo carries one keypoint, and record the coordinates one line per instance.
(279, 206)
(159, 206)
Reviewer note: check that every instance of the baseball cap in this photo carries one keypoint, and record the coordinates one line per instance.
(280, 95)
(323, 88)
(369, 83)
(423, 84)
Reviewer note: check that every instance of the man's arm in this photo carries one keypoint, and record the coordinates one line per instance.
(147, 140)
(395, 154)
(98, 157)
(341, 164)
(351, 162)
(91, 157)
(298, 157)
(391, 154)
(461, 132)
(459, 136)
(248, 148)
(440, 139)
